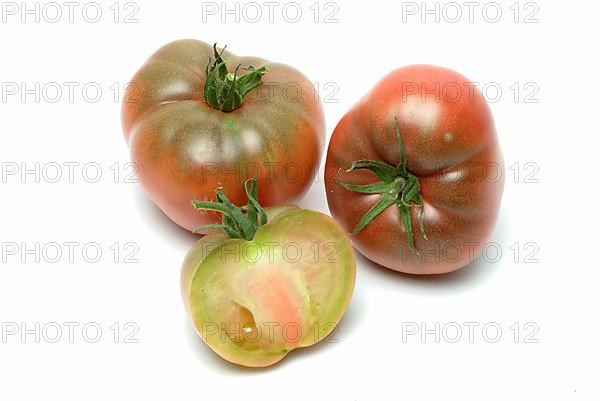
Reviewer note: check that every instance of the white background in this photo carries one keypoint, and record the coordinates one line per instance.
(556, 215)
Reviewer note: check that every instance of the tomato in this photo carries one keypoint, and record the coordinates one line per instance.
(192, 125)
(267, 281)
(415, 172)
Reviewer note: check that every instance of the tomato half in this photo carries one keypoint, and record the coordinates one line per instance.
(267, 281)
(415, 171)
(193, 125)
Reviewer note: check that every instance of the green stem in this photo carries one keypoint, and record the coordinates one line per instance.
(237, 222)
(224, 90)
(396, 185)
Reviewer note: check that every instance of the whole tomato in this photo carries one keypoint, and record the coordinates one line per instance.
(267, 281)
(193, 124)
(415, 172)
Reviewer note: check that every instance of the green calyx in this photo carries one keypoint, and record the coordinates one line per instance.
(238, 222)
(225, 90)
(396, 185)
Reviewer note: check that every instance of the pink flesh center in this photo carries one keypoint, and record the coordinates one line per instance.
(278, 304)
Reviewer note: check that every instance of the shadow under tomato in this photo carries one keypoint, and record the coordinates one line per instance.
(473, 271)
(159, 222)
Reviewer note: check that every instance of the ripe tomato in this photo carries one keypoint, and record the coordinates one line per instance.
(267, 281)
(193, 125)
(414, 170)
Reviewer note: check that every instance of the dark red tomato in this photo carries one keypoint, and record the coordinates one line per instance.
(190, 135)
(414, 170)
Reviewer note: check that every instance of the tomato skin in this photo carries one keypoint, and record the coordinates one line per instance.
(184, 149)
(452, 148)
(232, 284)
